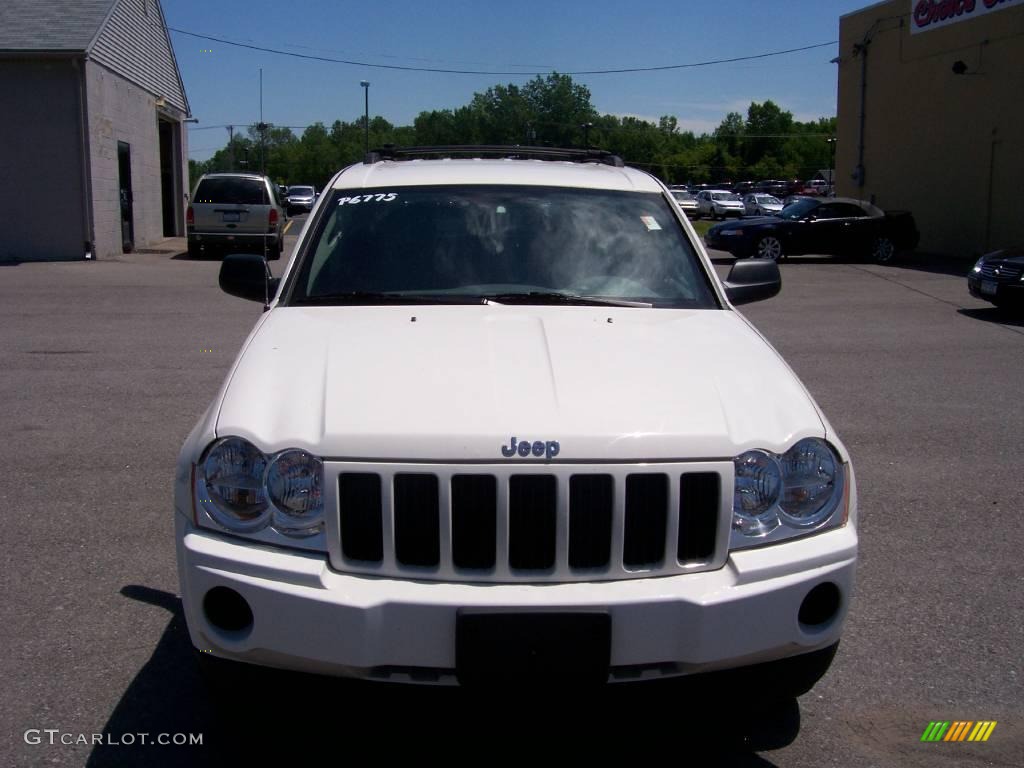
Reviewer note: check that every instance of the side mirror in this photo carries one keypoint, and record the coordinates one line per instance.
(247, 276)
(752, 280)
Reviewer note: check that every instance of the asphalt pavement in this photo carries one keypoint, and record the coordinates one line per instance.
(106, 366)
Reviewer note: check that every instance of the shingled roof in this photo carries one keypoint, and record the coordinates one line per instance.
(51, 25)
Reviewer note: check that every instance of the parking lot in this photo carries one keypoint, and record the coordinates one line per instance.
(108, 364)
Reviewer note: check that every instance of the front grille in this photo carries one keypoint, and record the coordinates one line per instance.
(509, 523)
(1001, 270)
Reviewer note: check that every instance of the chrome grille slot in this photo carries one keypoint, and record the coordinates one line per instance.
(532, 521)
(646, 516)
(417, 525)
(359, 502)
(699, 499)
(474, 521)
(591, 498)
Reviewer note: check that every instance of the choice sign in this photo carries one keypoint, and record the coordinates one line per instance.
(926, 15)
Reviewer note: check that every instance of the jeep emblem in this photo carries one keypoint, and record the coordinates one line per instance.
(524, 448)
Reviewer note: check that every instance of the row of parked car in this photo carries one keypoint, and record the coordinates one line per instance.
(720, 203)
(778, 187)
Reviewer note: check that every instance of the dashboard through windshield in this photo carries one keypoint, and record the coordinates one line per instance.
(507, 244)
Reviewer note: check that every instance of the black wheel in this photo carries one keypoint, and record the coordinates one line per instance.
(768, 247)
(275, 252)
(883, 250)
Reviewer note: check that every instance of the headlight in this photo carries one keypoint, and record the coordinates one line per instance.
(978, 263)
(756, 492)
(233, 476)
(809, 474)
(294, 480)
(267, 497)
(778, 497)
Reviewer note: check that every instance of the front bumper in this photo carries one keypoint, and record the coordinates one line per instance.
(309, 617)
(1006, 291)
(733, 244)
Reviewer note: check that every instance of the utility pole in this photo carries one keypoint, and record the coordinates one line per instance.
(366, 114)
(231, 147)
(262, 127)
(832, 165)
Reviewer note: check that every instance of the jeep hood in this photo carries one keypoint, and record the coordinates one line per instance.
(459, 382)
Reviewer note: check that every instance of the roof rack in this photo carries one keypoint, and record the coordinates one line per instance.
(392, 152)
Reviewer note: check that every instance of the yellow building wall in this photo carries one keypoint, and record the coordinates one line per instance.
(947, 147)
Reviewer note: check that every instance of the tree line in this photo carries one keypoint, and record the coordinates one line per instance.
(767, 143)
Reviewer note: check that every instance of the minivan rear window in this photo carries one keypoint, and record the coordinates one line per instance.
(232, 190)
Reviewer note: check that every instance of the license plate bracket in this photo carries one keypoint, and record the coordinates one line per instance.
(232, 216)
(989, 287)
(515, 649)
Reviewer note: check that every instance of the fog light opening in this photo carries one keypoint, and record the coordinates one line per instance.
(227, 610)
(820, 606)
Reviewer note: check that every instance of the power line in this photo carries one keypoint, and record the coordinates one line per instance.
(625, 70)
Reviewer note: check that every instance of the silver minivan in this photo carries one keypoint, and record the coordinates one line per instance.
(234, 213)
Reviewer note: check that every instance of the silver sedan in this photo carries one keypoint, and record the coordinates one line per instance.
(759, 204)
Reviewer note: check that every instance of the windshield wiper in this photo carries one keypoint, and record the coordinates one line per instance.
(370, 298)
(554, 297)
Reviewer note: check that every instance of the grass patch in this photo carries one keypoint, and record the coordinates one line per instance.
(702, 226)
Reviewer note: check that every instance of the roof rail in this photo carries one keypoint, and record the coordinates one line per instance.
(392, 152)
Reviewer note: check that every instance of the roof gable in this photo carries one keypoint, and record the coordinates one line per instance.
(133, 42)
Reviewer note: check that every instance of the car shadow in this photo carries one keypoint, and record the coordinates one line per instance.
(956, 266)
(997, 315)
(203, 256)
(267, 712)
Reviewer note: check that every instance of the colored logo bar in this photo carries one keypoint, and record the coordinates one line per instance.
(958, 730)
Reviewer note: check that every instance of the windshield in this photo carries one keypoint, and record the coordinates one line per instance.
(799, 208)
(480, 242)
(300, 191)
(725, 196)
(768, 200)
(682, 196)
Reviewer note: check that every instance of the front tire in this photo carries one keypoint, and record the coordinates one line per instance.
(768, 247)
(883, 250)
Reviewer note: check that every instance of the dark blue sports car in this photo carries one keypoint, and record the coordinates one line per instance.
(833, 226)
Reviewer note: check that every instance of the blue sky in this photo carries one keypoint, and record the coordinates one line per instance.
(222, 81)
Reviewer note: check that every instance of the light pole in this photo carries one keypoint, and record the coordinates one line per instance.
(832, 164)
(586, 134)
(366, 114)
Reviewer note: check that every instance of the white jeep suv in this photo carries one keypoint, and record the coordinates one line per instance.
(501, 423)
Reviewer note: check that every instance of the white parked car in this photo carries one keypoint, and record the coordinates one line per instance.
(760, 204)
(718, 204)
(501, 422)
(686, 201)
